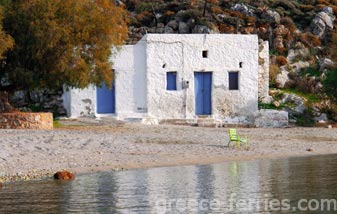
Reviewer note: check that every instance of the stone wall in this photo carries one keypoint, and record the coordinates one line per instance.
(25, 120)
(263, 70)
(39, 100)
(267, 118)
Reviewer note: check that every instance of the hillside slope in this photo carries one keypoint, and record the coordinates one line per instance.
(302, 36)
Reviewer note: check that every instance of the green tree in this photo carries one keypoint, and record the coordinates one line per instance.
(61, 42)
(6, 41)
(330, 83)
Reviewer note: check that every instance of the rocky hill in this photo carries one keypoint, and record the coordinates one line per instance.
(302, 36)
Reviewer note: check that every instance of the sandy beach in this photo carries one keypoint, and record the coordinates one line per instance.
(84, 147)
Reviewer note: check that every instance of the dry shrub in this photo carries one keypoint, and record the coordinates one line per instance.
(310, 39)
(281, 60)
(250, 19)
(145, 18)
(320, 7)
(223, 28)
(273, 71)
(322, 2)
(304, 84)
(236, 14)
(281, 50)
(216, 10)
(288, 23)
(306, 8)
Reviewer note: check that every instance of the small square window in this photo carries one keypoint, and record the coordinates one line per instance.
(171, 81)
(233, 80)
(204, 54)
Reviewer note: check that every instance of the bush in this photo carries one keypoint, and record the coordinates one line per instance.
(281, 60)
(306, 119)
(273, 71)
(330, 83)
(288, 23)
(145, 18)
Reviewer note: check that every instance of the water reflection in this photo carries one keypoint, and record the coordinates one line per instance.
(214, 188)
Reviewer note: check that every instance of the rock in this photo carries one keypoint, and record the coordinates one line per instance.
(323, 118)
(191, 23)
(295, 53)
(281, 78)
(242, 8)
(267, 100)
(329, 126)
(298, 66)
(201, 29)
(279, 32)
(325, 63)
(183, 28)
(299, 107)
(271, 16)
(271, 118)
(160, 28)
(64, 175)
(173, 24)
(168, 29)
(322, 22)
(276, 103)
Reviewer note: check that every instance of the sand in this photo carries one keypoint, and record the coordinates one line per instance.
(91, 146)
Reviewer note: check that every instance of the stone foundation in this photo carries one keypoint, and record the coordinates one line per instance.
(26, 120)
(267, 118)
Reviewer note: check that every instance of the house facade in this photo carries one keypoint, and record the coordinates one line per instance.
(177, 76)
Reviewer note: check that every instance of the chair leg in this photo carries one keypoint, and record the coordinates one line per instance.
(238, 144)
(228, 143)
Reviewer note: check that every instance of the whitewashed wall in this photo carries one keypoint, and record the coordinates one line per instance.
(140, 78)
(80, 102)
(183, 53)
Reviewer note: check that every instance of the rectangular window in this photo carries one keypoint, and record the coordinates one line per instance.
(171, 81)
(233, 80)
(204, 54)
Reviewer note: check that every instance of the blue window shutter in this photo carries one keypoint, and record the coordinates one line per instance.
(171, 81)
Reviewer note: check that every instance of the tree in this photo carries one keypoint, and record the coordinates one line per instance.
(6, 41)
(330, 83)
(61, 42)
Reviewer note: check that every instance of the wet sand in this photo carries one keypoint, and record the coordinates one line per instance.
(97, 146)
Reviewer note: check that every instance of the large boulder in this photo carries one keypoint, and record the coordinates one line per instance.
(173, 24)
(297, 101)
(323, 22)
(201, 29)
(326, 63)
(242, 8)
(168, 29)
(282, 78)
(271, 16)
(183, 28)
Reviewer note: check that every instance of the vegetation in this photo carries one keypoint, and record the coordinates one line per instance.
(60, 42)
(330, 83)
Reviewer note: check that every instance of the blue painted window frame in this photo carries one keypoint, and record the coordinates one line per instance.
(171, 81)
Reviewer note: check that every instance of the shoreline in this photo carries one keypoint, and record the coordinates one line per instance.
(36, 154)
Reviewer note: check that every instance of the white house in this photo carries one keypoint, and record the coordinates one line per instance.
(177, 76)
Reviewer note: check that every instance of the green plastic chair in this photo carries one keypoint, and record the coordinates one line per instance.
(234, 137)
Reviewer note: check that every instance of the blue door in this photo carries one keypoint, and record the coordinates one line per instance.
(203, 93)
(106, 99)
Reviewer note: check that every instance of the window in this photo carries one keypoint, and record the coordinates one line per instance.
(233, 80)
(204, 54)
(171, 81)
